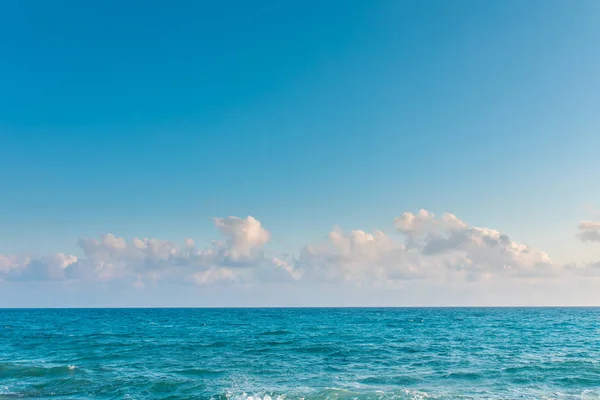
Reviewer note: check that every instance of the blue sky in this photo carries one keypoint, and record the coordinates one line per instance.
(148, 119)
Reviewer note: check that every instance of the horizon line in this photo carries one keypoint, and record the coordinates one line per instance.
(289, 307)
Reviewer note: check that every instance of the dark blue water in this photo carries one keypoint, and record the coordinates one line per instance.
(301, 353)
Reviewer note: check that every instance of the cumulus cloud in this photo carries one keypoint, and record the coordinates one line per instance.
(7, 264)
(287, 267)
(110, 258)
(26, 268)
(589, 231)
(214, 275)
(357, 257)
(428, 247)
(477, 250)
(423, 247)
(246, 237)
(425, 222)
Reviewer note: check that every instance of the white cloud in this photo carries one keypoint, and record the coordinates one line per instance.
(214, 275)
(33, 269)
(589, 231)
(358, 257)
(111, 258)
(154, 259)
(425, 222)
(246, 237)
(7, 263)
(434, 248)
(480, 249)
(287, 267)
(425, 247)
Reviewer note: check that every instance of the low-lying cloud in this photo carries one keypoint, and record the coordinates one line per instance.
(142, 261)
(589, 231)
(423, 247)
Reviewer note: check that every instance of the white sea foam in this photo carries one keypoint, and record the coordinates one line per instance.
(4, 390)
(336, 393)
(258, 396)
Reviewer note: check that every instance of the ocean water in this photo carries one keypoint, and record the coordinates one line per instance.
(403, 353)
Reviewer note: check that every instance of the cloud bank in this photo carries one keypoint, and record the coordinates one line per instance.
(142, 261)
(423, 246)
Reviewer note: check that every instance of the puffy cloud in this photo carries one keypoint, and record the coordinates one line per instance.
(214, 275)
(424, 247)
(7, 264)
(110, 258)
(113, 257)
(430, 247)
(287, 267)
(357, 257)
(246, 237)
(589, 231)
(425, 222)
(32, 269)
(480, 249)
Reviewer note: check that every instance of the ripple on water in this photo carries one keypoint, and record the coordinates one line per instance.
(301, 354)
(24, 371)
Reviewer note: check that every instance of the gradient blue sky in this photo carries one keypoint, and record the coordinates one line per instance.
(149, 118)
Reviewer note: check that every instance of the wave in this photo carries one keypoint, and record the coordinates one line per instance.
(331, 394)
(200, 372)
(275, 333)
(401, 394)
(12, 370)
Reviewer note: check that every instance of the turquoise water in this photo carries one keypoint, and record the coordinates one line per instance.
(474, 353)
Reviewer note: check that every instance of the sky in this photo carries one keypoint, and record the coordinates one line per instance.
(299, 153)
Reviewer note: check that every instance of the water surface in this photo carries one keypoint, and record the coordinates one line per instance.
(403, 353)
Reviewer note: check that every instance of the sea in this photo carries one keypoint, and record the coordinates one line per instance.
(296, 353)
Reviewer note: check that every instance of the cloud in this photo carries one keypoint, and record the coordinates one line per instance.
(35, 269)
(246, 237)
(156, 259)
(590, 269)
(589, 231)
(357, 257)
(428, 247)
(287, 268)
(110, 258)
(214, 275)
(425, 222)
(477, 250)
(423, 247)
(7, 263)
